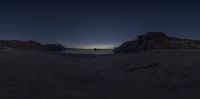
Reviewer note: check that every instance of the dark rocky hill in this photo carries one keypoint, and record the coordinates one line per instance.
(157, 40)
(26, 45)
(16, 44)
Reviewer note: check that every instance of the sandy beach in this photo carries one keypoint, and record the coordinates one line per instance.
(143, 75)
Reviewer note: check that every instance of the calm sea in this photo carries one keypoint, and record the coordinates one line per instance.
(86, 52)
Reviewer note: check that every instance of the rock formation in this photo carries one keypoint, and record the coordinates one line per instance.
(33, 45)
(157, 40)
(16, 44)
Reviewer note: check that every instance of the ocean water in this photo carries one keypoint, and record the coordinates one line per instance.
(86, 52)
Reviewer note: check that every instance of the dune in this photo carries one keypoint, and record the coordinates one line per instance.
(144, 75)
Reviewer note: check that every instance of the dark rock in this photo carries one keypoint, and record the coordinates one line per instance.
(157, 40)
(145, 67)
(30, 45)
(16, 44)
(95, 49)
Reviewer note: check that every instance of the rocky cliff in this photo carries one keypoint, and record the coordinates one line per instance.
(157, 40)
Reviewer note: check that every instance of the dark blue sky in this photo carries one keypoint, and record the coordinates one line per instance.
(93, 23)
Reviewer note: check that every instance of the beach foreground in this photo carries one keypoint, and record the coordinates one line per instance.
(143, 75)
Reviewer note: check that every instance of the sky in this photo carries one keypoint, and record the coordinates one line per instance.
(96, 23)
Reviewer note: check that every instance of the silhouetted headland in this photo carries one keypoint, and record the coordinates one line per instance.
(30, 45)
(157, 41)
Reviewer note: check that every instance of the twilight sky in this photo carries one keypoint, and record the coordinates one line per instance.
(96, 23)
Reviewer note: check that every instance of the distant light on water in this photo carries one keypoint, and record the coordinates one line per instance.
(98, 47)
